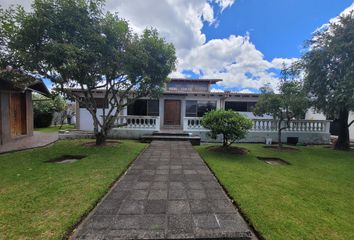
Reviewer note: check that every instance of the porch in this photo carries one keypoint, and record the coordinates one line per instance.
(307, 131)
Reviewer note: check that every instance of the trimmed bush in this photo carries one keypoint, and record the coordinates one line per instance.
(232, 125)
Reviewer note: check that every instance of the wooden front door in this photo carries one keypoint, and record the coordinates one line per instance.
(172, 111)
(18, 114)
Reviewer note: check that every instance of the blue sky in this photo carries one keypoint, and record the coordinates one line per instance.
(243, 42)
(277, 27)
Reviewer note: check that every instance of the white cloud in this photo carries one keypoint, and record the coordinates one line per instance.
(345, 12)
(245, 90)
(279, 62)
(225, 4)
(178, 21)
(236, 60)
(208, 13)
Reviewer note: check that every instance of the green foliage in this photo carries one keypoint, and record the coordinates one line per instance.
(43, 109)
(75, 44)
(232, 125)
(328, 68)
(42, 201)
(309, 199)
(291, 102)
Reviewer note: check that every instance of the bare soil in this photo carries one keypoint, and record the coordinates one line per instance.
(231, 150)
(67, 159)
(108, 143)
(274, 160)
(283, 149)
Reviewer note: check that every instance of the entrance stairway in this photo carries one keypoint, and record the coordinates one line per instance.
(171, 135)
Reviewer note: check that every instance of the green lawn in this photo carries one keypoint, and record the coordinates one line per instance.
(41, 200)
(313, 198)
(52, 129)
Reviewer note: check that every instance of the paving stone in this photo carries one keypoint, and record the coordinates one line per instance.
(178, 207)
(131, 207)
(101, 222)
(153, 222)
(177, 194)
(222, 206)
(196, 194)
(180, 224)
(155, 207)
(195, 185)
(138, 194)
(231, 222)
(159, 185)
(142, 185)
(127, 222)
(160, 178)
(162, 171)
(205, 221)
(157, 194)
(200, 206)
(168, 193)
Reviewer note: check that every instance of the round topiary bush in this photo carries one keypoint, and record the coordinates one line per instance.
(232, 125)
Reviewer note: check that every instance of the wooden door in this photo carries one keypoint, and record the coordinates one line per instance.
(172, 115)
(17, 114)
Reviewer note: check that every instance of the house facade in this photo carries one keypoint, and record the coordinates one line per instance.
(16, 111)
(182, 105)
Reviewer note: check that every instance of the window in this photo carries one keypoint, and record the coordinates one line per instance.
(143, 107)
(153, 107)
(191, 108)
(240, 106)
(100, 103)
(199, 108)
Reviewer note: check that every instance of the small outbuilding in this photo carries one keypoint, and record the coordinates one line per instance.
(16, 111)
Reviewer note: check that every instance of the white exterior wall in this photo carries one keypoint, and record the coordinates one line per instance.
(86, 122)
(311, 114)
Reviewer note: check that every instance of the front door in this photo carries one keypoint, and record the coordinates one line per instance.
(17, 114)
(172, 111)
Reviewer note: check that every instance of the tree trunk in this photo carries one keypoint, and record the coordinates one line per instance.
(280, 144)
(343, 142)
(224, 143)
(100, 138)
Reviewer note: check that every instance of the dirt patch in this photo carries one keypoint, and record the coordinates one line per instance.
(274, 160)
(108, 143)
(283, 149)
(67, 159)
(231, 150)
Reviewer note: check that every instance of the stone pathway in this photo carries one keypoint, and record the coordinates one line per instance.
(168, 193)
(37, 140)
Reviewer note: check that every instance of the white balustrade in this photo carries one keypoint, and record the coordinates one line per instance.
(139, 122)
(264, 125)
(268, 125)
(192, 123)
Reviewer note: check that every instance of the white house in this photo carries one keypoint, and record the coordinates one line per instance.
(183, 103)
(312, 114)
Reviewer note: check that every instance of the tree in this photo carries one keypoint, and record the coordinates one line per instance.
(328, 68)
(232, 125)
(77, 46)
(290, 103)
(44, 108)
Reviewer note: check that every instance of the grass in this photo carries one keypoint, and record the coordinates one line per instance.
(41, 200)
(313, 198)
(53, 128)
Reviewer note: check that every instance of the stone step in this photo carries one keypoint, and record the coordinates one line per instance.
(170, 133)
(195, 140)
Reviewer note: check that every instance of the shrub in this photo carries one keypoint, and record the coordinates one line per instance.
(232, 125)
(43, 109)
